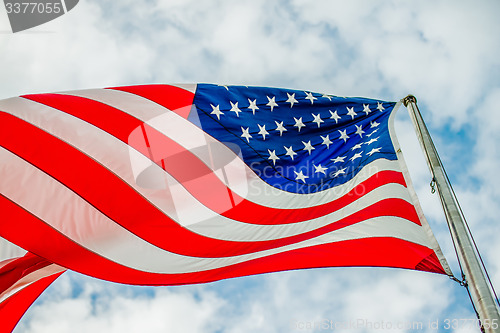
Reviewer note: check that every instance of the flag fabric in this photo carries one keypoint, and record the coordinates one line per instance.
(178, 184)
(23, 277)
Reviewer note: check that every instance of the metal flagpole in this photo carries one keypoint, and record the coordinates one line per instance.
(480, 291)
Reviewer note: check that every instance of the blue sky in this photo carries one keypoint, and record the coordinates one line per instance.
(443, 52)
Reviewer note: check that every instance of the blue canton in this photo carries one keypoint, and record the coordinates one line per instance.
(297, 141)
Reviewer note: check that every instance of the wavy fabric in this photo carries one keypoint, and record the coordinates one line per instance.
(179, 184)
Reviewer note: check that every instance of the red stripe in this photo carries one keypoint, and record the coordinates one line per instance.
(14, 307)
(111, 120)
(192, 173)
(247, 211)
(19, 268)
(383, 251)
(126, 207)
(173, 98)
(182, 164)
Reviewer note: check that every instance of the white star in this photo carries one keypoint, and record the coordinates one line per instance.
(272, 156)
(223, 85)
(359, 130)
(272, 102)
(280, 127)
(298, 123)
(358, 146)
(343, 135)
(216, 111)
(357, 155)
(375, 131)
(291, 99)
(366, 109)
(350, 112)
(319, 169)
(245, 134)
(374, 124)
(338, 159)
(374, 150)
(300, 176)
(290, 152)
(317, 119)
(263, 131)
(326, 141)
(253, 105)
(341, 171)
(334, 116)
(235, 108)
(371, 141)
(310, 97)
(380, 107)
(327, 96)
(308, 146)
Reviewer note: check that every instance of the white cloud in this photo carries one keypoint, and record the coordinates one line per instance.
(273, 303)
(113, 308)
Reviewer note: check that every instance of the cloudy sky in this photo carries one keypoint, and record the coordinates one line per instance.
(443, 52)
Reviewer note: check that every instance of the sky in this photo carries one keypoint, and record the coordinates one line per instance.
(443, 52)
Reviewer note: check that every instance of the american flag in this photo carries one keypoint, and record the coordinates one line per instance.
(178, 184)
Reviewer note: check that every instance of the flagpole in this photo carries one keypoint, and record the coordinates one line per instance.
(481, 294)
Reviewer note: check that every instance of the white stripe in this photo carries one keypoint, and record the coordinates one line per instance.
(188, 87)
(188, 135)
(73, 217)
(174, 200)
(9, 251)
(32, 277)
(143, 108)
(222, 228)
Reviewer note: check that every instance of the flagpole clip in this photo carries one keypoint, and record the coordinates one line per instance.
(433, 185)
(462, 282)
